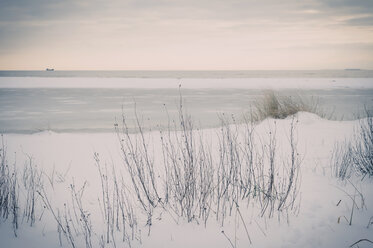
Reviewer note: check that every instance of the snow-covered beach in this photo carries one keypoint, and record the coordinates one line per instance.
(321, 210)
(324, 203)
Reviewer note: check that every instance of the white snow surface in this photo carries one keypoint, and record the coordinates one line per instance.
(314, 225)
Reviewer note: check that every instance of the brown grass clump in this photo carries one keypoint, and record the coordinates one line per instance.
(281, 106)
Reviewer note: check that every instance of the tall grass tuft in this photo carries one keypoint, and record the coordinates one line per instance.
(9, 189)
(200, 178)
(356, 155)
(363, 147)
(279, 106)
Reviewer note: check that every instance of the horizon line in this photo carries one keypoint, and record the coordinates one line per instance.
(186, 70)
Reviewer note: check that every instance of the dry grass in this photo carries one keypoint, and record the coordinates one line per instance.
(363, 147)
(357, 154)
(279, 106)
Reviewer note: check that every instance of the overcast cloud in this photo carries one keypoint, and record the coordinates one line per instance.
(172, 34)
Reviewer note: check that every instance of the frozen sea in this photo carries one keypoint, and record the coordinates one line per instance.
(92, 101)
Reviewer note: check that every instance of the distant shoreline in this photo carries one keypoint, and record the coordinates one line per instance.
(345, 73)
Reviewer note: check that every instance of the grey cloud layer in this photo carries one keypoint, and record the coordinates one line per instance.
(25, 24)
(52, 10)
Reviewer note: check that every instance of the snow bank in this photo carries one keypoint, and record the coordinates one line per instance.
(325, 202)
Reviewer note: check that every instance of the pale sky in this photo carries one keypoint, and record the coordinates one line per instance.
(186, 34)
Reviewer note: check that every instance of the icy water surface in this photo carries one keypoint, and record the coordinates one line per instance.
(27, 110)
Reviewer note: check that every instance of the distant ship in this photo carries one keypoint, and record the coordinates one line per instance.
(352, 69)
(49, 69)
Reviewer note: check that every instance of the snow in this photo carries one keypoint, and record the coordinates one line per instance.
(314, 224)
